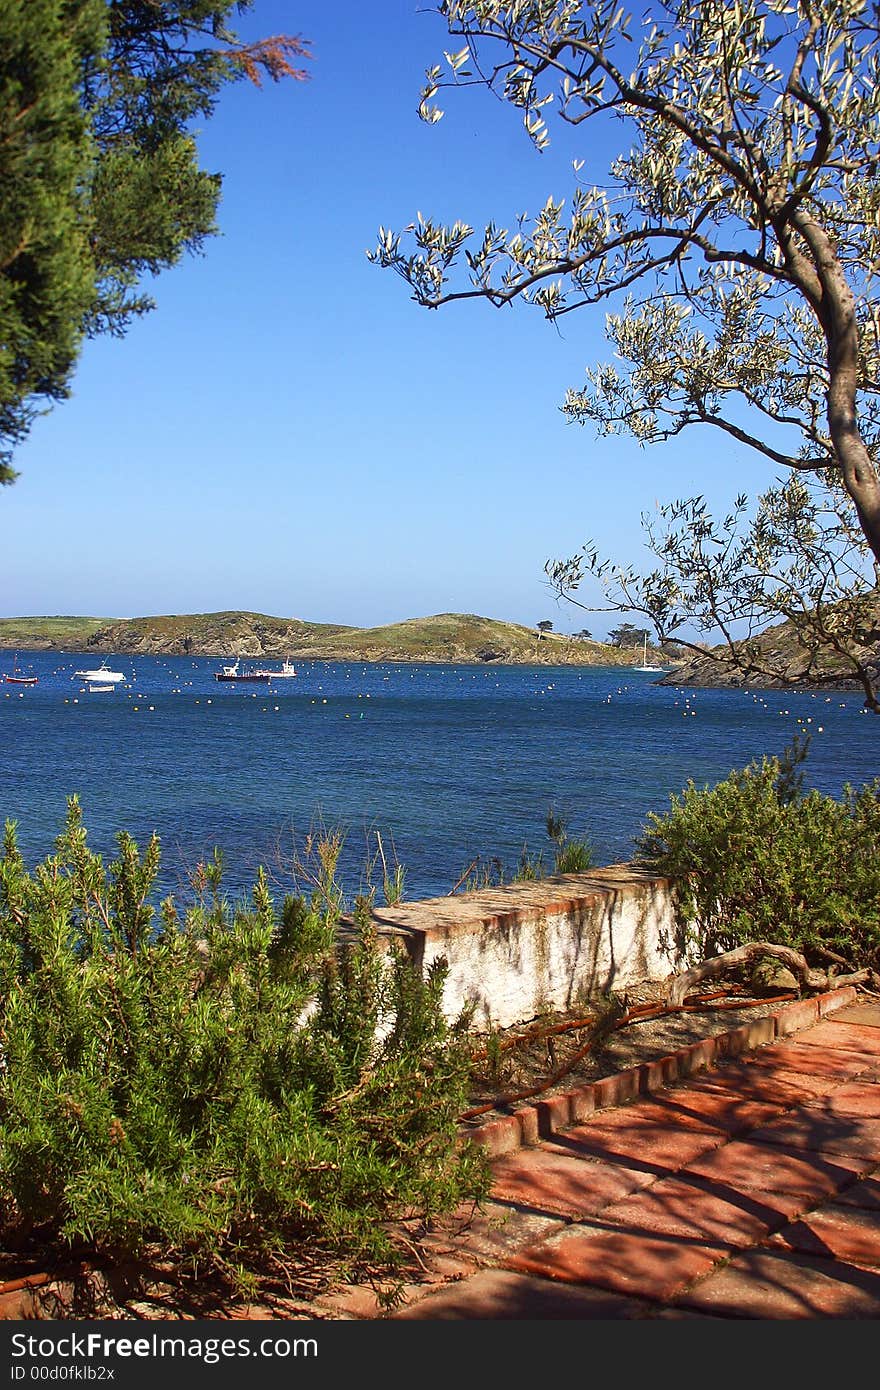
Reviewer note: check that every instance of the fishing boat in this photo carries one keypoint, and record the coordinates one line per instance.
(17, 678)
(100, 689)
(100, 675)
(232, 673)
(645, 666)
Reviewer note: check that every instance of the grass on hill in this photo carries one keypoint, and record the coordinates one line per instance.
(55, 631)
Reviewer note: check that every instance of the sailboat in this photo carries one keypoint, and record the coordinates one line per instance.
(17, 678)
(645, 666)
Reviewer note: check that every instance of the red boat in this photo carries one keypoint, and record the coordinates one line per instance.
(17, 678)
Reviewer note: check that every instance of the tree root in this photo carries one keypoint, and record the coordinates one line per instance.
(810, 979)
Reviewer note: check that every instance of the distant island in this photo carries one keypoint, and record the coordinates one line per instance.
(453, 637)
(458, 637)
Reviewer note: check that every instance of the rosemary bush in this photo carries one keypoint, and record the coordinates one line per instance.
(227, 1086)
(756, 858)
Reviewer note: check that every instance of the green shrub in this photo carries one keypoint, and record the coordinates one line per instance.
(574, 857)
(756, 858)
(571, 856)
(230, 1087)
(568, 857)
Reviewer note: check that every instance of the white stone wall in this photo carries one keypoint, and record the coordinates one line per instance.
(515, 951)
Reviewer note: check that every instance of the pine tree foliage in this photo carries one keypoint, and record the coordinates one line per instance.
(46, 155)
(100, 181)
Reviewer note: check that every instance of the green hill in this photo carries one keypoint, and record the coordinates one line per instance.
(39, 634)
(460, 637)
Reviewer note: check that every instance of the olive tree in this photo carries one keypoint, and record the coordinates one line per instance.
(734, 238)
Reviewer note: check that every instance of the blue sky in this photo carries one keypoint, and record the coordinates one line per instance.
(288, 432)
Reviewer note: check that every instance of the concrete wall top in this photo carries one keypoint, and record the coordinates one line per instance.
(520, 901)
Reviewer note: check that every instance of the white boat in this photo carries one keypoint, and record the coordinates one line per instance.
(100, 689)
(645, 666)
(287, 669)
(100, 675)
(264, 674)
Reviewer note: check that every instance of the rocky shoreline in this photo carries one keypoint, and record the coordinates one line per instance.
(707, 673)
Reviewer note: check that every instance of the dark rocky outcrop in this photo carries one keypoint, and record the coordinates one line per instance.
(783, 658)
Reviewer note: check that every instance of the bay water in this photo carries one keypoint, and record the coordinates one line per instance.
(443, 765)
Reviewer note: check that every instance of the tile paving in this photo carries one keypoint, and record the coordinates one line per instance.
(748, 1191)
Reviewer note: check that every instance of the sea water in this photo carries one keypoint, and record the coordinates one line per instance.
(441, 766)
